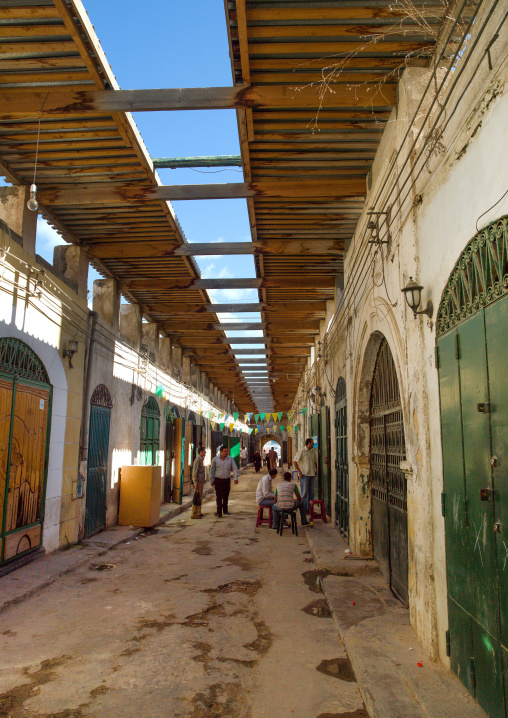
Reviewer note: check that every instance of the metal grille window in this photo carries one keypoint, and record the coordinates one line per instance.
(150, 431)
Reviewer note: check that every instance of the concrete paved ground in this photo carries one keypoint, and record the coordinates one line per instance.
(201, 618)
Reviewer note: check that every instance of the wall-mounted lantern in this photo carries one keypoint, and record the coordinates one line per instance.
(70, 350)
(413, 294)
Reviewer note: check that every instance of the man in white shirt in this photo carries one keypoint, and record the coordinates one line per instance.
(244, 455)
(264, 492)
(220, 477)
(306, 464)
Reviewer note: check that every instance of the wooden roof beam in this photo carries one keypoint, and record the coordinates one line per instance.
(120, 194)
(153, 248)
(280, 282)
(64, 103)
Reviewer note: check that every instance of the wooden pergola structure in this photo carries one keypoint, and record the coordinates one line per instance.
(306, 151)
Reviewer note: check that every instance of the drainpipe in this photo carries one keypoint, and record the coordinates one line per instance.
(85, 413)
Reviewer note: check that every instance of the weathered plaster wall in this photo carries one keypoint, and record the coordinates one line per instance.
(463, 175)
(41, 322)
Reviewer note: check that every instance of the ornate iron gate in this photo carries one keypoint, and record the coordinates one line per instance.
(25, 411)
(389, 486)
(150, 430)
(341, 460)
(97, 468)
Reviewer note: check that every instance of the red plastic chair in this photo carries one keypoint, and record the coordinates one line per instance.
(261, 519)
(321, 514)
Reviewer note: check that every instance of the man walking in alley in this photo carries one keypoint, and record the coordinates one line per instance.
(220, 476)
(198, 480)
(306, 464)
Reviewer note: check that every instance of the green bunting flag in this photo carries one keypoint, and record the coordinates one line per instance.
(263, 416)
(221, 426)
(296, 429)
(235, 415)
(304, 411)
(282, 429)
(256, 417)
(250, 431)
(279, 414)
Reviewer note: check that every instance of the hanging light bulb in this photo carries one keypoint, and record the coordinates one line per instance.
(32, 203)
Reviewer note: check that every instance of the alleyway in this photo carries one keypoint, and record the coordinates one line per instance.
(201, 618)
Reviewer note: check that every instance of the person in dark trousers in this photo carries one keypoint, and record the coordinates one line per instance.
(220, 476)
(257, 461)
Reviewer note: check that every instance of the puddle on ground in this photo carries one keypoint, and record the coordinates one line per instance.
(203, 548)
(314, 578)
(102, 566)
(360, 713)
(12, 701)
(176, 578)
(263, 642)
(220, 701)
(248, 587)
(318, 608)
(157, 624)
(338, 668)
(197, 620)
(240, 561)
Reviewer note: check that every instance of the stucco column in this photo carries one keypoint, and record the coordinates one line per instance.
(130, 322)
(165, 353)
(106, 301)
(186, 370)
(150, 336)
(17, 216)
(176, 359)
(71, 262)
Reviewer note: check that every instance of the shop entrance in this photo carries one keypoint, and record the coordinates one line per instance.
(25, 411)
(388, 482)
(472, 346)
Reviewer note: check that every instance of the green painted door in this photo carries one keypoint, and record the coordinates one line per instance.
(314, 433)
(150, 429)
(496, 324)
(324, 457)
(474, 425)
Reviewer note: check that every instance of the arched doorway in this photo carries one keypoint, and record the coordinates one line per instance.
(150, 431)
(268, 439)
(25, 416)
(388, 481)
(97, 465)
(472, 343)
(341, 460)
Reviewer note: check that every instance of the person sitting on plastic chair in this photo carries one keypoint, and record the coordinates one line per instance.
(287, 497)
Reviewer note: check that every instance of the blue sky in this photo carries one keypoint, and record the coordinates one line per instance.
(180, 44)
